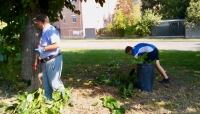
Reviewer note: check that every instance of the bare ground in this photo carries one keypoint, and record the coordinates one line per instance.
(176, 97)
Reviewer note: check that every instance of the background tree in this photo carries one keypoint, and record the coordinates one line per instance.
(126, 7)
(193, 12)
(169, 9)
(119, 24)
(125, 14)
(22, 31)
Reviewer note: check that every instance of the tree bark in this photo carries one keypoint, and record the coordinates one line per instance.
(30, 40)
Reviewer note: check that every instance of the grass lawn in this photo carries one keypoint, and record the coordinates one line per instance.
(182, 65)
(180, 96)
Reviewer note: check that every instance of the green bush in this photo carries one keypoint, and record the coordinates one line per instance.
(10, 59)
(142, 27)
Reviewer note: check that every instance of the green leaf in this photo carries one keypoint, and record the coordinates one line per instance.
(68, 93)
(119, 111)
(43, 110)
(61, 107)
(109, 105)
(22, 97)
(30, 97)
(114, 112)
(95, 104)
(113, 105)
(1, 57)
(64, 96)
(56, 95)
(40, 90)
(23, 105)
(18, 56)
(116, 105)
(9, 48)
(50, 102)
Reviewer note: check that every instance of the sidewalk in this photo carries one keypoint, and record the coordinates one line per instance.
(186, 46)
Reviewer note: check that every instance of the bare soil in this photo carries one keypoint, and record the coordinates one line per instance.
(175, 97)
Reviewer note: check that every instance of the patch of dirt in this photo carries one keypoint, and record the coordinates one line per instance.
(175, 97)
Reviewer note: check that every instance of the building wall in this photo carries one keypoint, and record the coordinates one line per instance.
(68, 28)
(92, 16)
(95, 16)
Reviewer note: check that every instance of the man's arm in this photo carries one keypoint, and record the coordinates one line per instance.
(52, 46)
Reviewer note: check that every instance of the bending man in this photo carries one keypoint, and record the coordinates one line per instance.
(152, 54)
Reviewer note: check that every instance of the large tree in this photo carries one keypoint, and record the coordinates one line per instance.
(168, 8)
(19, 15)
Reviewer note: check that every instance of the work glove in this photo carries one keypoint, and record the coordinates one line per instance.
(39, 50)
(132, 72)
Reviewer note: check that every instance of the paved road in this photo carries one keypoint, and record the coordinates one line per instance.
(187, 46)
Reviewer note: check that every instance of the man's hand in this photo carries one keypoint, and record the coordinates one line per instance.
(132, 72)
(39, 50)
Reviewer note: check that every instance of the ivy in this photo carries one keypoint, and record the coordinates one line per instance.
(36, 103)
(127, 90)
(113, 105)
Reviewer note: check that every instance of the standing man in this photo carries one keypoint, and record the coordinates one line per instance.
(50, 55)
(152, 54)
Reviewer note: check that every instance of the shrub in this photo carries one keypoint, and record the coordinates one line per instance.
(142, 28)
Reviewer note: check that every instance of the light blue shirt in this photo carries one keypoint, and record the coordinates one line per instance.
(49, 36)
(142, 48)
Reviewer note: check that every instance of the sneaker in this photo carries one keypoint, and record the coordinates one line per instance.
(165, 81)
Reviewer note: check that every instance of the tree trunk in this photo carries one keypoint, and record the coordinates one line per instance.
(30, 40)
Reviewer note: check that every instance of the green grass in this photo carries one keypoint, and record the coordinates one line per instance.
(183, 65)
(78, 60)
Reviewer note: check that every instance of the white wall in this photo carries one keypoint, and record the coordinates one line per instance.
(93, 13)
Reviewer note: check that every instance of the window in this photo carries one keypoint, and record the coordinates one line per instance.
(73, 18)
(64, 20)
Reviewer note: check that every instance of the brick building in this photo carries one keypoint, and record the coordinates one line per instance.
(92, 17)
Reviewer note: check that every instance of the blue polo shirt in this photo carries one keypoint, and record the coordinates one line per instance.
(142, 48)
(49, 36)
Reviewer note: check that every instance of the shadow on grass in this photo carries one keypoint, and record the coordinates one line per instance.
(180, 96)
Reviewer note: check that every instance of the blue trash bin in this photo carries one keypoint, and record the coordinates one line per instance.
(145, 76)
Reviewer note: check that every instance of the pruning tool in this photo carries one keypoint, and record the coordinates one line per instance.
(37, 60)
